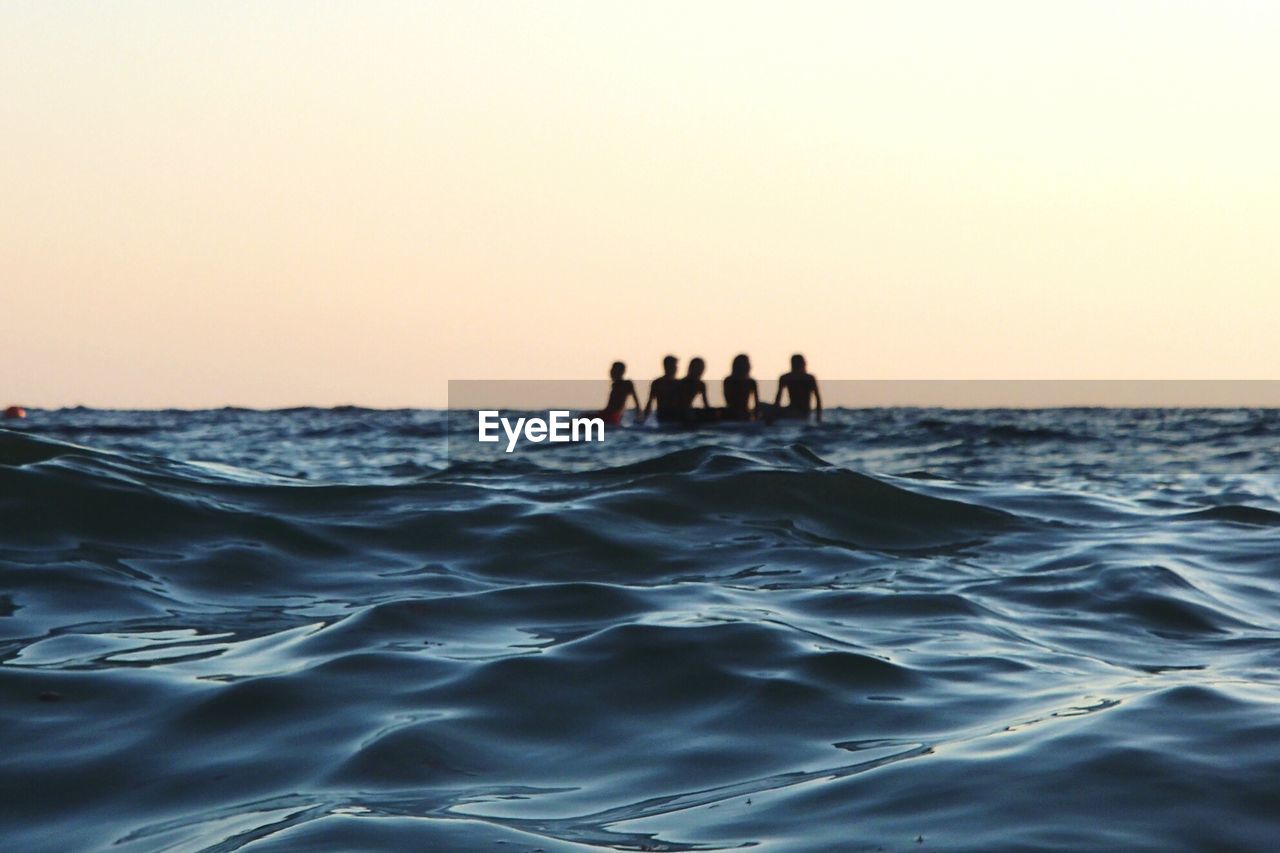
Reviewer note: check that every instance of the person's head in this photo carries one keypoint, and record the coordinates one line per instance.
(741, 366)
(797, 363)
(669, 365)
(616, 372)
(696, 368)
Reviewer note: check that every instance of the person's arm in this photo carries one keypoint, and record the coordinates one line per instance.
(649, 405)
(777, 398)
(636, 397)
(817, 398)
(753, 399)
(702, 389)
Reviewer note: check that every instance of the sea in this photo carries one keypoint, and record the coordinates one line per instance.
(899, 629)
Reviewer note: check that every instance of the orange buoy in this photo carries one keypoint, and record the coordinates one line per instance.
(15, 412)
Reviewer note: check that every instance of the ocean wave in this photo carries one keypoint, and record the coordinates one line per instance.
(1237, 514)
(284, 630)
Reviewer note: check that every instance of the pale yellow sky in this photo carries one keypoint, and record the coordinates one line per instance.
(303, 202)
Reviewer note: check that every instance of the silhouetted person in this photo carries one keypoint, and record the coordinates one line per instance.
(619, 391)
(741, 396)
(665, 392)
(800, 386)
(692, 387)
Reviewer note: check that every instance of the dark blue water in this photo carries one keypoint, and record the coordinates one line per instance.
(902, 629)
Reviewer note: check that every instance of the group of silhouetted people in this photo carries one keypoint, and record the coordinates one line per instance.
(675, 398)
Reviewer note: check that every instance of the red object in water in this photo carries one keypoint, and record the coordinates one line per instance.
(15, 412)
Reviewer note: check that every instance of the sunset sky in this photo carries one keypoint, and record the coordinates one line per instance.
(301, 202)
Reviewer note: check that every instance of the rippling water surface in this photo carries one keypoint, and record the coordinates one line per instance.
(901, 629)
